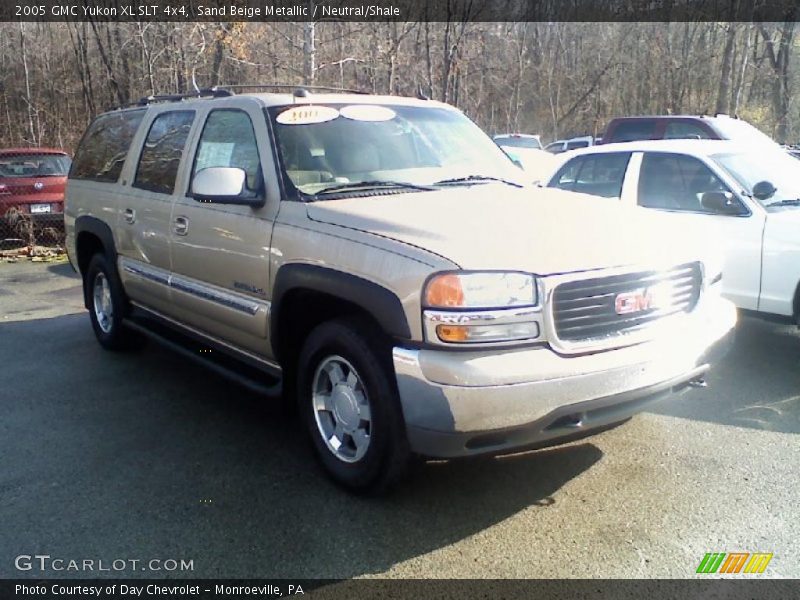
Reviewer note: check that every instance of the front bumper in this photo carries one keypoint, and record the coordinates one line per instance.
(463, 403)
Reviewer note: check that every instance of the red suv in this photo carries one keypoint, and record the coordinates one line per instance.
(32, 181)
(719, 127)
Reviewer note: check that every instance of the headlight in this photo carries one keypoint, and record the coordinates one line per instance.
(481, 307)
(491, 289)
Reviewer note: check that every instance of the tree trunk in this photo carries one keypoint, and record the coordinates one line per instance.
(26, 70)
(309, 49)
(779, 61)
(724, 90)
(742, 70)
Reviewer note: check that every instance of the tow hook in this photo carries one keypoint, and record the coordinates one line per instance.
(700, 382)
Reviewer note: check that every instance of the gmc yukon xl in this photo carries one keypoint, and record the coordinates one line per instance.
(380, 259)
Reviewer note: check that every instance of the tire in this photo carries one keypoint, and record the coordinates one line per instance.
(107, 305)
(347, 397)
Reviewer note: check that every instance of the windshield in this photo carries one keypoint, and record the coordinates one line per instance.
(338, 146)
(511, 141)
(777, 167)
(34, 165)
(736, 129)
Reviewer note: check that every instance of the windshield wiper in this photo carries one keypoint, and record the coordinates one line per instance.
(355, 186)
(789, 202)
(476, 179)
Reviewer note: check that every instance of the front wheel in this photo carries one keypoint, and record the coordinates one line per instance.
(350, 406)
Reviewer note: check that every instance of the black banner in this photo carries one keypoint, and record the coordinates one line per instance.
(739, 588)
(398, 10)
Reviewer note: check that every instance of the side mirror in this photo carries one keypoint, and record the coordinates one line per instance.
(764, 190)
(223, 185)
(720, 203)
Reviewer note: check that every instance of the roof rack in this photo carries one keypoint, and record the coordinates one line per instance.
(214, 92)
(224, 91)
(295, 88)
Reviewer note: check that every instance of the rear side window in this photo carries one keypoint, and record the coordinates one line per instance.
(596, 174)
(105, 145)
(518, 142)
(578, 144)
(162, 152)
(629, 131)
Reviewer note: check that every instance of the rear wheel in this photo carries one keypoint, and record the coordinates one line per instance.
(350, 406)
(107, 305)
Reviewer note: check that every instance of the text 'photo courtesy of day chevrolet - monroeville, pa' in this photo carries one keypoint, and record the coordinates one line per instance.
(411, 299)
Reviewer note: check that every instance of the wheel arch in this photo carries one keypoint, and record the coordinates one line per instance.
(91, 236)
(796, 305)
(306, 295)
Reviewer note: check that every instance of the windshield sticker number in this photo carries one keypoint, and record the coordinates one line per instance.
(306, 115)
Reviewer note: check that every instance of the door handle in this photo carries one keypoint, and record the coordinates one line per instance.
(130, 215)
(181, 226)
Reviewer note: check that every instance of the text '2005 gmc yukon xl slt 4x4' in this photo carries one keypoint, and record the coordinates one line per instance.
(380, 256)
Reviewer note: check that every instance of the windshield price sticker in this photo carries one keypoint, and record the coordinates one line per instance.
(367, 112)
(306, 115)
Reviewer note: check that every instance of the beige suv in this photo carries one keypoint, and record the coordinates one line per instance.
(381, 260)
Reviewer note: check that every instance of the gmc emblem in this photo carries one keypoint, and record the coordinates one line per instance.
(633, 302)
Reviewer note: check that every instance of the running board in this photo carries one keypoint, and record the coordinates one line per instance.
(210, 355)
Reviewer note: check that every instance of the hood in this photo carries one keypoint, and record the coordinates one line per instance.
(538, 230)
(784, 214)
(783, 227)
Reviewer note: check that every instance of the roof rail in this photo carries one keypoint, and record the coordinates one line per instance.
(294, 87)
(214, 92)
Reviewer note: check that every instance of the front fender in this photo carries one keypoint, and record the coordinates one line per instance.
(382, 304)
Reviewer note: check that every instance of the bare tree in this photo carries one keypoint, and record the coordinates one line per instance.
(781, 84)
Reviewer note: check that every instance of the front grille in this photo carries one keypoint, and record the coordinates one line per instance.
(588, 309)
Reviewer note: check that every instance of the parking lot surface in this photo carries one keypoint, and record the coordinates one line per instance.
(147, 456)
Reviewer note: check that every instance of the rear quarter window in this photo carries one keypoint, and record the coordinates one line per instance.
(684, 130)
(577, 144)
(105, 145)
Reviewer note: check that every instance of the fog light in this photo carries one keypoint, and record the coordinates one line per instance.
(460, 334)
